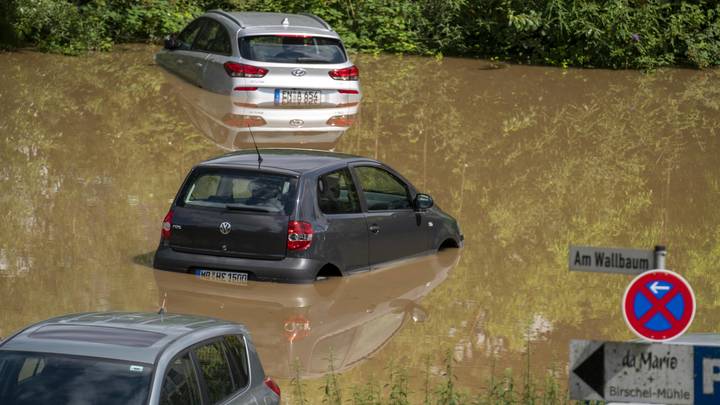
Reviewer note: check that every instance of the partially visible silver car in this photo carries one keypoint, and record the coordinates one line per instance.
(133, 358)
(264, 59)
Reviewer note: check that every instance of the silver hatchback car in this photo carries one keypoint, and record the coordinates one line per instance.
(133, 358)
(264, 59)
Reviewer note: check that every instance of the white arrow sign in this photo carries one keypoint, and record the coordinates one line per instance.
(655, 288)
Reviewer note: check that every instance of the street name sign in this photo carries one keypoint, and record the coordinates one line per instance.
(659, 305)
(644, 372)
(611, 260)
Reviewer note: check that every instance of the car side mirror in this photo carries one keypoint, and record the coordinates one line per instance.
(423, 201)
(171, 42)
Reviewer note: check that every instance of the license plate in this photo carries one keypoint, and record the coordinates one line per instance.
(298, 97)
(228, 277)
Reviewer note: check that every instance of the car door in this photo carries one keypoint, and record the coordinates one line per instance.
(212, 49)
(180, 60)
(346, 234)
(216, 42)
(396, 230)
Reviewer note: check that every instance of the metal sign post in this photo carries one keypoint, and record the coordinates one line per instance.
(660, 253)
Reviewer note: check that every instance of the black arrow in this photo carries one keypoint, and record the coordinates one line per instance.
(592, 370)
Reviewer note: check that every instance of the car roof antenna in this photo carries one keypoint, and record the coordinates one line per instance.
(260, 159)
(162, 309)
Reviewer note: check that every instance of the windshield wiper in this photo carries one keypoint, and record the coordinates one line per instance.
(311, 60)
(247, 208)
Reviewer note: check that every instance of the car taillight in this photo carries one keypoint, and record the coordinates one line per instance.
(300, 235)
(350, 73)
(274, 387)
(243, 121)
(167, 225)
(296, 328)
(235, 69)
(348, 92)
(245, 88)
(341, 120)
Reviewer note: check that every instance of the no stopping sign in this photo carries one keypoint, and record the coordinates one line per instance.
(659, 305)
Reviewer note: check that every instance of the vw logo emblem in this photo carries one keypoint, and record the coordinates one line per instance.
(298, 72)
(225, 228)
(296, 123)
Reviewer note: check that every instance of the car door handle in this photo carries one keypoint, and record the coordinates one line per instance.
(374, 228)
(199, 64)
(179, 61)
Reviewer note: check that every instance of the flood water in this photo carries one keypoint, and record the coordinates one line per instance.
(528, 159)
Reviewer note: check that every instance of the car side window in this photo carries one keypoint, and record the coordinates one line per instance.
(180, 386)
(215, 370)
(382, 190)
(188, 35)
(237, 355)
(213, 38)
(336, 193)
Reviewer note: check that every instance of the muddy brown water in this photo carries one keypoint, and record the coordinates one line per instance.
(529, 159)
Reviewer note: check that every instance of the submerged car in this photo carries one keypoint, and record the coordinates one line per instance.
(295, 216)
(264, 59)
(133, 358)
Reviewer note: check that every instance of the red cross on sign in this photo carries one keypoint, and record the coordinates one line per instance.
(659, 305)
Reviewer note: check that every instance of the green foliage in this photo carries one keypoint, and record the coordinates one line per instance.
(296, 383)
(399, 391)
(72, 28)
(8, 36)
(447, 393)
(331, 391)
(600, 33)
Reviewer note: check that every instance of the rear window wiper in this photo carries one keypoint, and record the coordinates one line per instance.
(312, 60)
(248, 208)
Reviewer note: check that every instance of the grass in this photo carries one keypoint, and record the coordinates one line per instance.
(499, 390)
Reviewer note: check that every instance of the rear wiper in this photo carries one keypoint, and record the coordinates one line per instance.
(247, 208)
(311, 60)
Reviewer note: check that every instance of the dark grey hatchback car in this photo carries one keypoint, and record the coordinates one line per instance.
(297, 216)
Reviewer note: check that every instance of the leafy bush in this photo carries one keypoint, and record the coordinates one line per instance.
(601, 33)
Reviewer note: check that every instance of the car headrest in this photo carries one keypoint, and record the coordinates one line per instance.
(331, 187)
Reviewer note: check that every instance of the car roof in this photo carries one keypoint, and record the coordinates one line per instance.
(289, 160)
(257, 23)
(129, 336)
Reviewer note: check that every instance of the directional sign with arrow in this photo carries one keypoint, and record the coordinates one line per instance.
(631, 372)
(656, 287)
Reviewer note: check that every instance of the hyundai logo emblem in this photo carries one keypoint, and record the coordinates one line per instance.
(225, 228)
(296, 123)
(298, 72)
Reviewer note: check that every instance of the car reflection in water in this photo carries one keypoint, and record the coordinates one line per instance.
(228, 120)
(350, 317)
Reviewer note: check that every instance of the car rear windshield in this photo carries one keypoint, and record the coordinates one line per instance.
(239, 190)
(39, 378)
(292, 49)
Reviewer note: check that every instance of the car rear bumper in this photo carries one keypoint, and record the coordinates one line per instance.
(265, 97)
(288, 270)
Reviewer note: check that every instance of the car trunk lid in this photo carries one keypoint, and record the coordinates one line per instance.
(239, 213)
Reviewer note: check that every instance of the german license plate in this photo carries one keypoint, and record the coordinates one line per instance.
(297, 97)
(228, 277)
